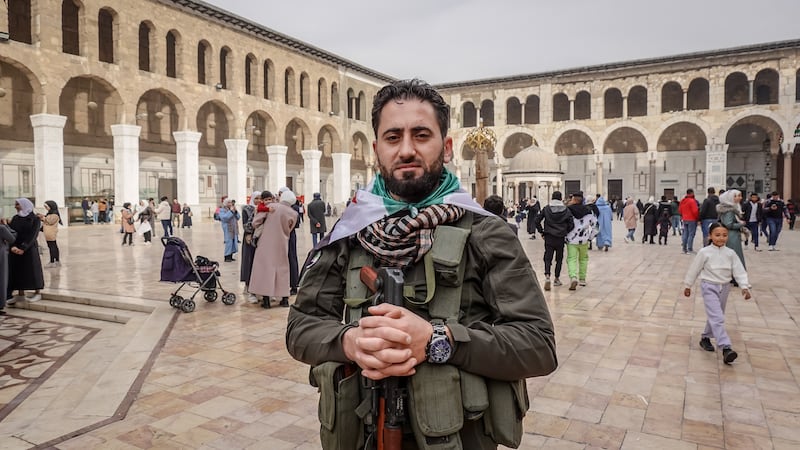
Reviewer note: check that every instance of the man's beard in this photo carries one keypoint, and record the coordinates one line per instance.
(414, 190)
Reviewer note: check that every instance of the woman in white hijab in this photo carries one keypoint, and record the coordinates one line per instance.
(25, 267)
(730, 215)
(248, 246)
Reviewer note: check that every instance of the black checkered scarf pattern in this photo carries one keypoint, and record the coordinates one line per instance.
(401, 241)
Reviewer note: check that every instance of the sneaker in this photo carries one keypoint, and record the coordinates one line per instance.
(34, 298)
(49, 265)
(57, 264)
(772, 248)
(557, 282)
(728, 355)
(573, 284)
(627, 241)
(251, 298)
(605, 249)
(581, 282)
(705, 344)
(758, 249)
(547, 284)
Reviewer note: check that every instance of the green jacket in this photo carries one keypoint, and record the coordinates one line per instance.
(505, 331)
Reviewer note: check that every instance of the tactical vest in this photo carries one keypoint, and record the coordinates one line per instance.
(441, 396)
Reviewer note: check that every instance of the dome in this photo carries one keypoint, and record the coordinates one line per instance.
(534, 160)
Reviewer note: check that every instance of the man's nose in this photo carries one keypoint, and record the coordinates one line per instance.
(406, 149)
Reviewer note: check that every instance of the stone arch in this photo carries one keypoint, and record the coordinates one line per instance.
(625, 139)
(682, 136)
(753, 141)
(226, 67)
(612, 103)
(71, 14)
(513, 111)
(362, 154)
(671, 97)
(532, 109)
(147, 54)
(268, 84)
(204, 62)
(637, 101)
(159, 112)
(107, 35)
(487, 112)
(736, 90)
(305, 90)
(766, 87)
(469, 115)
(705, 128)
(297, 138)
(574, 141)
(174, 46)
(328, 142)
(250, 74)
(289, 89)
(697, 96)
(216, 122)
(766, 116)
(516, 143)
(583, 105)
(91, 105)
(560, 107)
(649, 141)
(322, 96)
(260, 131)
(20, 97)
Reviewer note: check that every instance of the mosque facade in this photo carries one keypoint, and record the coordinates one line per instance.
(178, 98)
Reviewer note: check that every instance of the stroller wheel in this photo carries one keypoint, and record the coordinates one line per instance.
(210, 296)
(175, 301)
(188, 305)
(228, 298)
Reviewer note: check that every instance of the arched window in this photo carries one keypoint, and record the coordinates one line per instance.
(468, 115)
(612, 104)
(305, 90)
(19, 21)
(532, 109)
(249, 73)
(766, 87)
(671, 97)
(322, 96)
(697, 96)
(351, 104)
(637, 102)
(269, 75)
(225, 67)
(560, 107)
(583, 105)
(288, 87)
(144, 46)
(736, 90)
(172, 54)
(487, 112)
(361, 106)
(203, 59)
(105, 36)
(70, 29)
(513, 111)
(334, 98)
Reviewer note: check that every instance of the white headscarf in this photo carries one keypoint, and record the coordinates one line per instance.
(287, 196)
(226, 202)
(727, 198)
(253, 197)
(26, 207)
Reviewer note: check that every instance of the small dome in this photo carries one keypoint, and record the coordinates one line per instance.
(534, 160)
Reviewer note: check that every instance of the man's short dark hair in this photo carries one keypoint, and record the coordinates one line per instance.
(494, 204)
(689, 191)
(711, 190)
(406, 90)
(163, 198)
(774, 193)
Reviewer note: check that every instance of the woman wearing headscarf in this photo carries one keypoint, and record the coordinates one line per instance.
(604, 219)
(730, 215)
(248, 246)
(650, 216)
(50, 222)
(229, 219)
(144, 217)
(270, 274)
(630, 215)
(127, 224)
(186, 212)
(25, 267)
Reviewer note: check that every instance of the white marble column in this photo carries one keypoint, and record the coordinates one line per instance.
(370, 174)
(48, 157)
(685, 100)
(126, 164)
(499, 176)
(341, 177)
(625, 107)
(788, 152)
(277, 167)
(572, 109)
(598, 162)
(187, 154)
(237, 169)
(311, 160)
(716, 165)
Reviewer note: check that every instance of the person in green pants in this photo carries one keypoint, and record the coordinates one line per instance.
(578, 239)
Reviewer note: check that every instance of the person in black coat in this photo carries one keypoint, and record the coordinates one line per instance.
(25, 267)
(316, 218)
(650, 216)
(533, 212)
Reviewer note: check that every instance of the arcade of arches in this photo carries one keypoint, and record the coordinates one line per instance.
(226, 112)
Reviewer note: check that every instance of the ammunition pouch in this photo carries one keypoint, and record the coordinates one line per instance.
(340, 427)
(507, 406)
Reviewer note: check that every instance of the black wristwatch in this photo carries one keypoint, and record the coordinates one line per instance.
(439, 349)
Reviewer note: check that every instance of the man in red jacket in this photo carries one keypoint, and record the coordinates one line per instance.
(689, 210)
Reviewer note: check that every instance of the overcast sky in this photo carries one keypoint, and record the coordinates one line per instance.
(454, 40)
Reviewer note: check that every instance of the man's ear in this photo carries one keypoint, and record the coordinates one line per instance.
(448, 149)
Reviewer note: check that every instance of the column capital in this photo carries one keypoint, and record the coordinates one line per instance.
(236, 143)
(277, 150)
(311, 155)
(48, 120)
(344, 157)
(788, 147)
(126, 130)
(187, 136)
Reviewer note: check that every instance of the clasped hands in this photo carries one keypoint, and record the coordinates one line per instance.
(388, 343)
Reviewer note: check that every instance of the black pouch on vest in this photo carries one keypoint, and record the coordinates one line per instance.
(340, 428)
(508, 405)
(436, 412)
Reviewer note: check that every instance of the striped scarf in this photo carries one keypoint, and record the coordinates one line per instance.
(401, 241)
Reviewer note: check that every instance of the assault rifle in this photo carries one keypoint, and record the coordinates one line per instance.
(389, 395)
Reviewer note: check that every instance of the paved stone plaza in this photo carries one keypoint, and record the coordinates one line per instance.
(631, 374)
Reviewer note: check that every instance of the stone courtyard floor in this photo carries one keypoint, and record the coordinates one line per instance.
(630, 375)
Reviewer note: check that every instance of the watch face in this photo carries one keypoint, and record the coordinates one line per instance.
(439, 351)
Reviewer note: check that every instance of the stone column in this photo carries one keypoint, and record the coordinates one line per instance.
(237, 169)
(685, 100)
(522, 114)
(499, 176)
(716, 165)
(788, 152)
(370, 174)
(750, 93)
(277, 167)
(126, 164)
(572, 109)
(48, 157)
(341, 177)
(187, 153)
(652, 156)
(624, 107)
(311, 160)
(598, 164)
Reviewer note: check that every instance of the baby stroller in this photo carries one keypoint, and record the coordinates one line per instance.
(178, 266)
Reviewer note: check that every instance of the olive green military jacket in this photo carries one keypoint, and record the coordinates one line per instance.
(504, 331)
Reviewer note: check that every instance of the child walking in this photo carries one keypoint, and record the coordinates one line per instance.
(715, 265)
(664, 222)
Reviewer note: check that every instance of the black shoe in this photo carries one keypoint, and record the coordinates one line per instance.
(293, 291)
(285, 302)
(728, 355)
(265, 302)
(705, 344)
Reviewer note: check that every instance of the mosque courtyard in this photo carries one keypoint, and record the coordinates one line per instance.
(104, 361)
